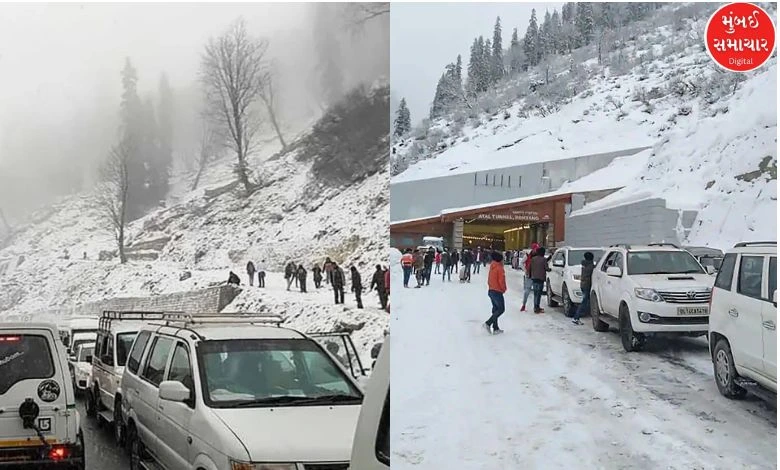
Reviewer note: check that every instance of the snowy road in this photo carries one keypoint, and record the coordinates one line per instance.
(548, 394)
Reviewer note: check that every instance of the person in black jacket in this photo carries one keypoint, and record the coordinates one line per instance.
(357, 286)
(378, 283)
(467, 259)
(250, 270)
(446, 261)
(301, 274)
(430, 255)
(316, 273)
(455, 259)
(337, 281)
(586, 277)
(233, 279)
(538, 276)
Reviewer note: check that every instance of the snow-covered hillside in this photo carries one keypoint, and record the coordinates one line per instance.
(207, 232)
(713, 134)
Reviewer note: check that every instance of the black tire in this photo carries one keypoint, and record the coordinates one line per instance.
(725, 372)
(568, 306)
(119, 427)
(631, 340)
(550, 301)
(91, 404)
(598, 325)
(136, 448)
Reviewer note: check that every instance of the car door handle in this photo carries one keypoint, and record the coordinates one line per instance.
(769, 325)
(733, 312)
(189, 439)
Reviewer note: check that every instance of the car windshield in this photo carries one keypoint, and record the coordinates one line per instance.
(576, 256)
(663, 262)
(271, 372)
(85, 341)
(85, 352)
(124, 342)
(711, 261)
(23, 357)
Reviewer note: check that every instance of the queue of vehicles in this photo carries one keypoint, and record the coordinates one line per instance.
(663, 290)
(207, 392)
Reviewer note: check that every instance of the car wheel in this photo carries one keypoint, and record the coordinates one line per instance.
(91, 405)
(550, 301)
(568, 307)
(598, 325)
(725, 372)
(136, 448)
(119, 427)
(631, 340)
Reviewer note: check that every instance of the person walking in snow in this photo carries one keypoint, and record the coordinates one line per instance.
(378, 283)
(455, 258)
(327, 267)
(478, 259)
(437, 261)
(301, 275)
(250, 270)
(357, 286)
(428, 260)
(407, 264)
(261, 274)
(586, 277)
(419, 266)
(316, 272)
(527, 282)
(467, 259)
(446, 261)
(538, 275)
(289, 273)
(337, 282)
(496, 290)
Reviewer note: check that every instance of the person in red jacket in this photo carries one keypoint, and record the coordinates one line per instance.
(496, 289)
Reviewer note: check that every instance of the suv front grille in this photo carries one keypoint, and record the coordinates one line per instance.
(679, 320)
(326, 466)
(672, 297)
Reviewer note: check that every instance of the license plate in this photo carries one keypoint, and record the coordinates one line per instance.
(693, 310)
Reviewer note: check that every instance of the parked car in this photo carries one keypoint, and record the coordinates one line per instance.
(80, 365)
(743, 321)
(650, 290)
(77, 327)
(707, 257)
(563, 279)
(39, 424)
(234, 391)
(371, 445)
(116, 333)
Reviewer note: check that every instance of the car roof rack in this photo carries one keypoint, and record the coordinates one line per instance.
(624, 245)
(110, 316)
(187, 320)
(744, 244)
(663, 244)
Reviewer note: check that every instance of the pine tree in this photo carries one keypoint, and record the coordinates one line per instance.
(531, 40)
(131, 136)
(515, 59)
(487, 62)
(459, 73)
(403, 119)
(475, 59)
(606, 16)
(165, 113)
(584, 22)
(569, 35)
(150, 152)
(497, 61)
(556, 33)
(545, 35)
(448, 91)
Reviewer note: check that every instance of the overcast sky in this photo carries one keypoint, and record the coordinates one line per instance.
(425, 37)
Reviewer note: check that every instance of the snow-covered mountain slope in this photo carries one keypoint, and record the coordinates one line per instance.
(712, 133)
(293, 216)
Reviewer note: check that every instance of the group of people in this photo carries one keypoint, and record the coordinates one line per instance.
(433, 261)
(331, 273)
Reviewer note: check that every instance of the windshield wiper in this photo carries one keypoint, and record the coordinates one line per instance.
(295, 400)
(280, 400)
(331, 399)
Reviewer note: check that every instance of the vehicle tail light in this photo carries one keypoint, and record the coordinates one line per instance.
(10, 339)
(58, 453)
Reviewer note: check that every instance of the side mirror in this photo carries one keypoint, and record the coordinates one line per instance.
(172, 390)
(614, 271)
(710, 269)
(558, 263)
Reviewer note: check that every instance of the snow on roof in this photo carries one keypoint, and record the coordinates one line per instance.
(517, 200)
(417, 219)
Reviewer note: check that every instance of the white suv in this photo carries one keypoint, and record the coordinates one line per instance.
(743, 321)
(39, 424)
(371, 446)
(652, 289)
(232, 391)
(115, 336)
(563, 279)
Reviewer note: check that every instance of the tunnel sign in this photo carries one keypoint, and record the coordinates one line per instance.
(513, 216)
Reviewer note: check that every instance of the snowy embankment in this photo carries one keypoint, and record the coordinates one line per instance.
(549, 394)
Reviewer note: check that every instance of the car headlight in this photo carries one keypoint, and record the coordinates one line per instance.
(648, 294)
(235, 465)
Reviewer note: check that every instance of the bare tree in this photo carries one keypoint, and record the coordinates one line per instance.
(268, 97)
(112, 192)
(210, 141)
(232, 70)
(362, 12)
